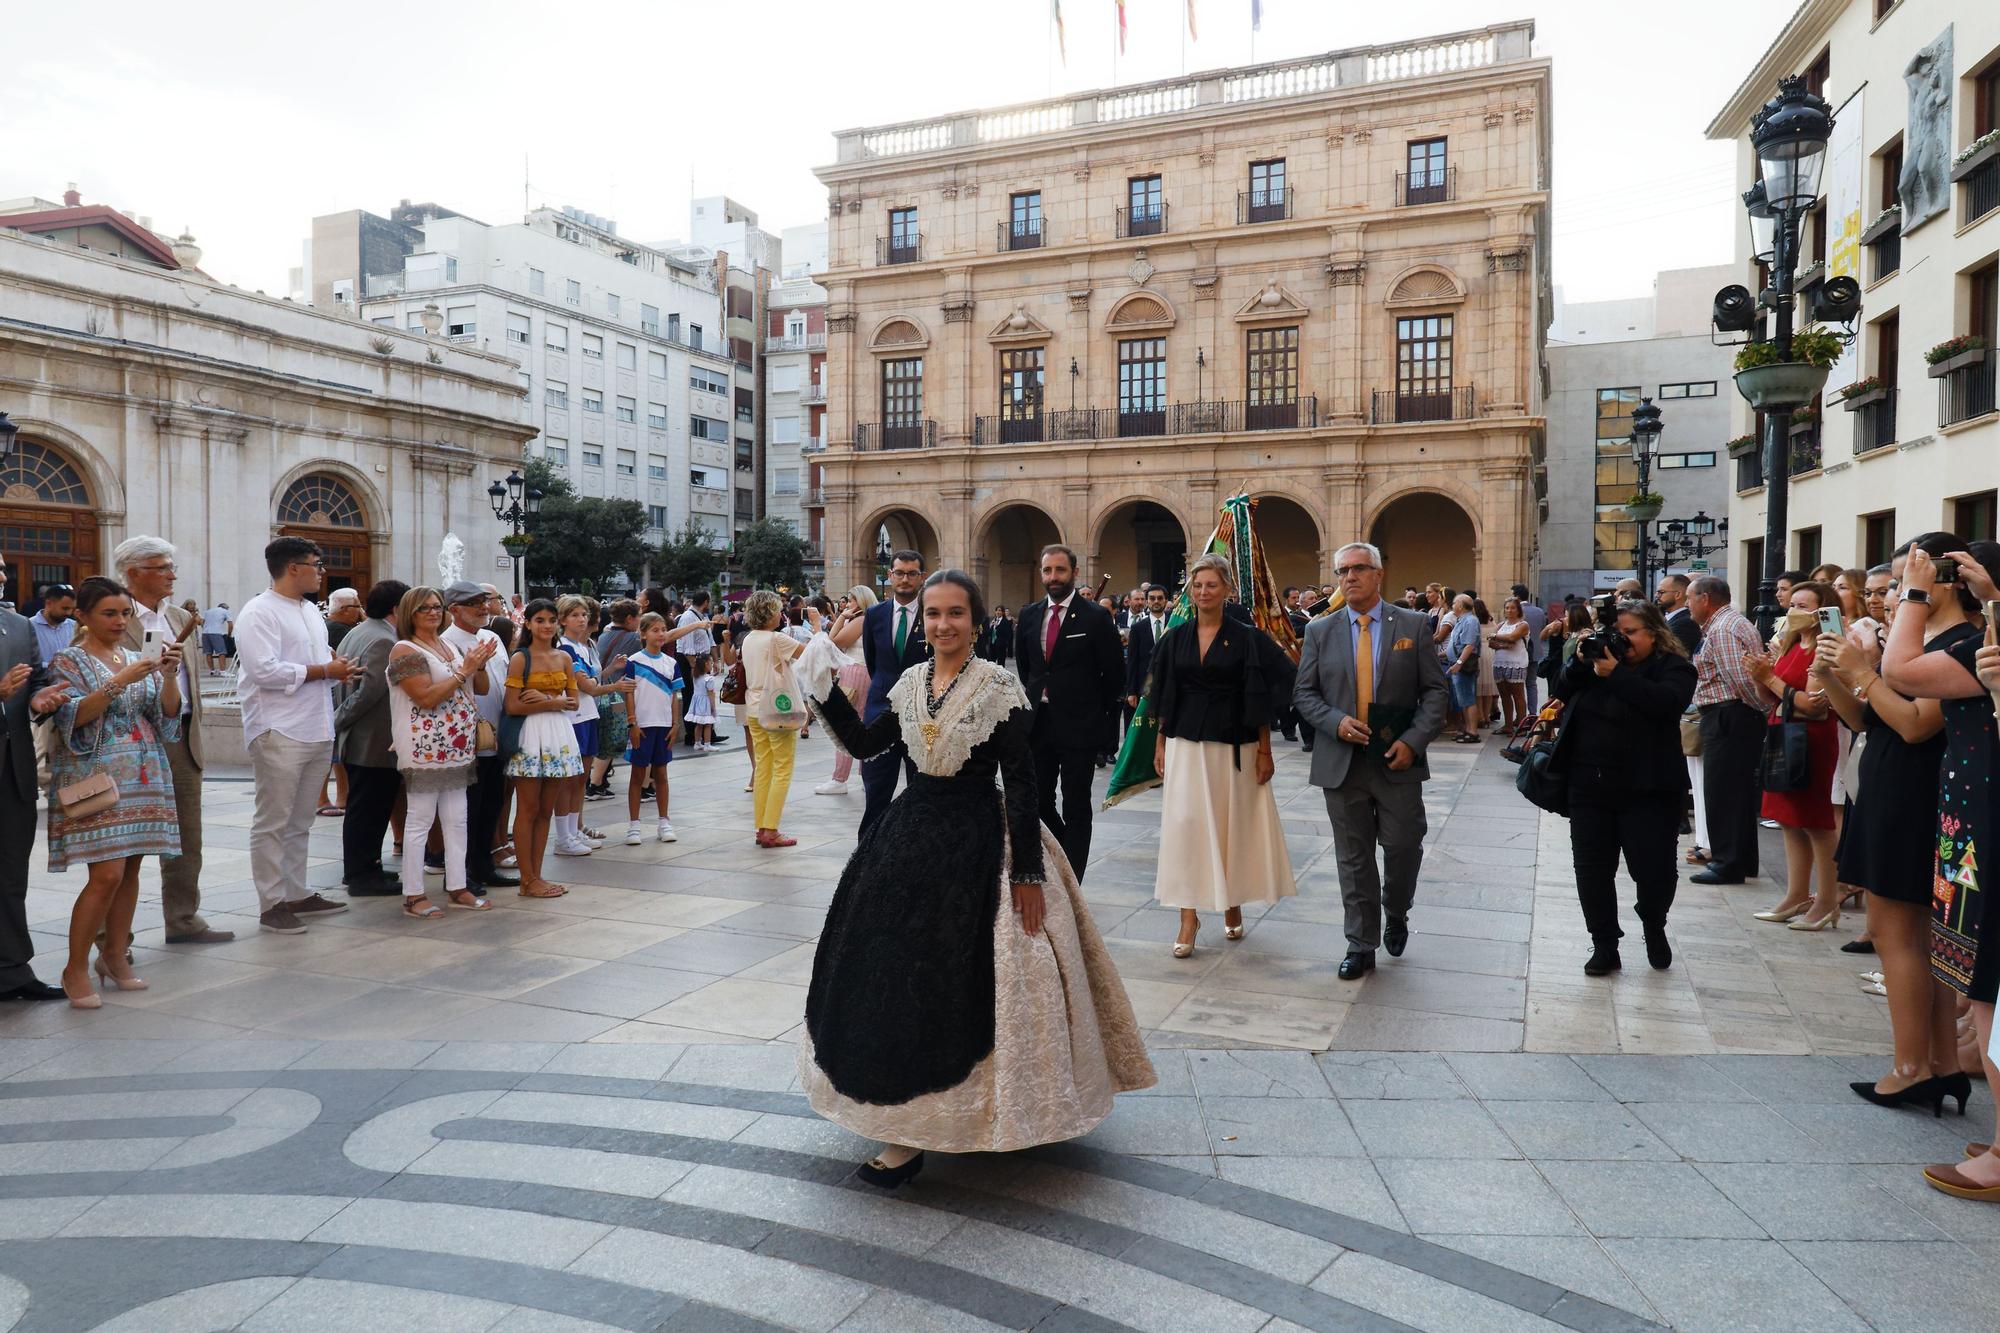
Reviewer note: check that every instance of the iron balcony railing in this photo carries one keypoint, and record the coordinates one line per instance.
(1750, 469)
(1966, 393)
(1024, 234)
(1804, 446)
(1398, 406)
(906, 249)
(1142, 221)
(875, 436)
(812, 394)
(1888, 254)
(1439, 186)
(802, 342)
(813, 444)
(814, 497)
(1263, 206)
(1982, 191)
(1875, 423)
(1129, 423)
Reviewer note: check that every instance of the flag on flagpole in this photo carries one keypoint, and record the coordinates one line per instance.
(1121, 25)
(1192, 34)
(1256, 15)
(1062, 47)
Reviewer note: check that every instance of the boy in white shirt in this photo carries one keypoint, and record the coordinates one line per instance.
(654, 709)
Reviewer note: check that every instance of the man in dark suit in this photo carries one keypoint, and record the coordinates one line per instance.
(1000, 636)
(25, 692)
(1672, 597)
(362, 729)
(1144, 637)
(1074, 670)
(1370, 658)
(892, 641)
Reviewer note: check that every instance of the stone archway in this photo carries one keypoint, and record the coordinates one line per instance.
(325, 508)
(1291, 540)
(1008, 553)
(1140, 541)
(1426, 537)
(48, 518)
(892, 530)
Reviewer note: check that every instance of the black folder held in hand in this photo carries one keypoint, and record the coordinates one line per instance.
(1385, 726)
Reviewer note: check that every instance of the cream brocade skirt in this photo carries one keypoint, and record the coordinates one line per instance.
(1221, 842)
(1064, 1041)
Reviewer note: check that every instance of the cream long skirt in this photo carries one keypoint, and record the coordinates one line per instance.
(1221, 844)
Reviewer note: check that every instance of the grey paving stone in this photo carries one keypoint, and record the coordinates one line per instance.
(716, 952)
(1151, 1125)
(1418, 1300)
(1256, 1074)
(1904, 1285)
(1396, 1076)
(1793, 1080)
(1525, 1078)
(1579, 1131)
(1731, 1284)
(1573, 1262)
(1967, 1221)
(876, 1221)
(1814, 1203)
(1647, 1199)
(770, 1289)
(1428, 990)
(1433, 1129)
(769, 1068)
(1379, 1028)
(1170, 1068)
(1347, 1185)
(1257, 1126)
(615, 1302)
(1728, 1132)
(1660, 1078)
(1477, 1198)
(458, 1229)
(621, 990)
(893, 1312)
(521, 1057)
(367, 1055)
(635, 1062)
(1856, 1132)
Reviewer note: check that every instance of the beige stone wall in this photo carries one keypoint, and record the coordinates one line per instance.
(1347, 263)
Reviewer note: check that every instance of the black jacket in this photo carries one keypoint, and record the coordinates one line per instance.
(1139, 645)
(1637, 709)
(1084, 680)
(1681, 622)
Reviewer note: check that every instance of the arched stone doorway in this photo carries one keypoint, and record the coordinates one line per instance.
(1291, 540)
(322, 508)
(1140, 542)
(887, 532)
(1009, 552)
(1425, 538)
(48, 519)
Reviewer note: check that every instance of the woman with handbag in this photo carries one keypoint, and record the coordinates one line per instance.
(1801, 801)
(434, 727)
(112, 793)
(1619, 751)
(776, 711)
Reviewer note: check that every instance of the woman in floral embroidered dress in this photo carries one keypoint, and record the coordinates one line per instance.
(434, 733)
(120, 711)
(961, 998)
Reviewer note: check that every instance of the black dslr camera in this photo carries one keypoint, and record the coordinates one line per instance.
(1606, 638)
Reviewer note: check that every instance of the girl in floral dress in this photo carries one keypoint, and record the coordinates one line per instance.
(541, 691)
(434, 733)
(120, 711)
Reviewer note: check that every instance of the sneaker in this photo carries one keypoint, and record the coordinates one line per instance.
(830, 789)
(314, 905)
(280, 921)
(578, 848)
(646, 792)
(667, 833)
(633, 837)
(598, 793)
(592, 837)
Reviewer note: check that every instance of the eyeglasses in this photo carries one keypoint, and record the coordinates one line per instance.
(314, 565)
(1345, 570)
(169, 568)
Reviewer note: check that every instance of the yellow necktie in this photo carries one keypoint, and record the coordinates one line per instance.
(1364, 673)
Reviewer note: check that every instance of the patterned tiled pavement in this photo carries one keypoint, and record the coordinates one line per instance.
(583, 1114)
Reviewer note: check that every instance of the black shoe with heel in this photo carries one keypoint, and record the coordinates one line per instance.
(1932, 1092)
(889, 1177)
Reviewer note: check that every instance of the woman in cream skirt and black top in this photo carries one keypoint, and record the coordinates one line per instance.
(1217, 685)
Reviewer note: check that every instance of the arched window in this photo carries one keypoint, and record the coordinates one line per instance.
(36, 473)
(320, 501)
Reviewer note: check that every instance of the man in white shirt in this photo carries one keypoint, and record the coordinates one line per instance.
(471, 606)
(217, 623)
(146, 566)
(285, 680)
(698, 644)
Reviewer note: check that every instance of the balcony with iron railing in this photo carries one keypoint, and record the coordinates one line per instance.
(1750, 469)
(1966, 393)
(1149, 221)
(1803, 445)
(1393, 407)
(1982, 190)
(799, 342)
(1438, 186)
(876, 437)
(814, 497)
(813, 444)
(1020, 234)
(1083, 424)
(813, 394)
(1875, 422)
(1263, 206)
(899, 250)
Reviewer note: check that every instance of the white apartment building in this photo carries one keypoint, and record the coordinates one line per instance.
(795, 392)
(1910, 208)
(622, 347)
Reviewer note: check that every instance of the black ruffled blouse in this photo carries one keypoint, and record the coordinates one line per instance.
(1228, 697)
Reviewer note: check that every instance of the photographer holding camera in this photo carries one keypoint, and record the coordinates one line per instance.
(1621, 697)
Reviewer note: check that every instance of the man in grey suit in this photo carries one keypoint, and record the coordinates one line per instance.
(361, 734)
(24, 690)
(1370, 684)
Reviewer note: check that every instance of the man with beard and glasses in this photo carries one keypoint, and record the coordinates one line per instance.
(1074, 669)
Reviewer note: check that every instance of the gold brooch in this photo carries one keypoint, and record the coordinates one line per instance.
(930, 731)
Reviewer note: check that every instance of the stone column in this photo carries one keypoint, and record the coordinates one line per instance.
(954, 407)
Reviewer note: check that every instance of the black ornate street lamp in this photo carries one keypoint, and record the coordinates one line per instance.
(1644, 507)
(1689, 538)
(514, 503)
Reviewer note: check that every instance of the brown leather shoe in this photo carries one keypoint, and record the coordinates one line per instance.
(314, 905)
(1953, 1181)
(206, 935)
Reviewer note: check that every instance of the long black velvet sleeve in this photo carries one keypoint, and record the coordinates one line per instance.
(1017, 776)
(858, 739)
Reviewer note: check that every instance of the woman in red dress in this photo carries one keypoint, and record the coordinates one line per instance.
(1806, 815)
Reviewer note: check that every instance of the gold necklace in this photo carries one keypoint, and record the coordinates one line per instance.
(934, 704)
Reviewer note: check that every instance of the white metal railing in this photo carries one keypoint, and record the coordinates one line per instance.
(813, 393)
(804, 342)
(813, 444)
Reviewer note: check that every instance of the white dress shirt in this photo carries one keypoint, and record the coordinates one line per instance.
(490, 703)
(701, 642)
(278, 639)
(155, 621)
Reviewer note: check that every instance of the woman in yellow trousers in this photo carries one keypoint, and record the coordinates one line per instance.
(764, 650)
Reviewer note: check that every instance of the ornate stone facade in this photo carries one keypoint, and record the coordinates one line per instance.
(1170, 293)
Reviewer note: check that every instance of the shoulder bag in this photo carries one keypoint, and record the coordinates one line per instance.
(735, 685)
(95, 793)
(1691, 733)
(1787, 758)
(1537, 780)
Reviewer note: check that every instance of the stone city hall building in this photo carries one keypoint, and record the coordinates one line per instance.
(1091, 319)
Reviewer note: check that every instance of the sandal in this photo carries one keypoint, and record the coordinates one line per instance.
(543, 890)
(478, 904)
(331, 811)
(421, 908)
(1698, 856)
(1467, 740)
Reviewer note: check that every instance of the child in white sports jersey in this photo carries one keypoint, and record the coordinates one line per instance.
(653, 716)
(702, 701)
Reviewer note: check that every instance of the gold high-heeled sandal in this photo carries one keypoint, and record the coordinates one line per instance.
(1234, 932)
(1187, 950)
(1780, 915)
(127, 983)
(1827, 922)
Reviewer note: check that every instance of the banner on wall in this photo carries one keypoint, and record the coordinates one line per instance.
(1846, 180)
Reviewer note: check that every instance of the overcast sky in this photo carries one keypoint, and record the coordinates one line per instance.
(242, 121)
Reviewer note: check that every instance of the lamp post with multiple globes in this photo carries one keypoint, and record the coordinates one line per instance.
(514, 503)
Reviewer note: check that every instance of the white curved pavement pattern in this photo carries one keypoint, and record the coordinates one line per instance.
(583, 1115)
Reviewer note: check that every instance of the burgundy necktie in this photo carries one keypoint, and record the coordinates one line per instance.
(1049, 639)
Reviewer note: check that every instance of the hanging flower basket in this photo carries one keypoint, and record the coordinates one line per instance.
(1781, 384)
(1741, 445)
(1967, 349)
(1975, 155)
(1644, 508)
(517, 542)
(1863, 392)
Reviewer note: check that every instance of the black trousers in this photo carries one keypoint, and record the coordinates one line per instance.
(371, 798)
(1605, 821)
(878, 782)
(1732, 747)
(482, 811)
(1075, 770)
(17, 842)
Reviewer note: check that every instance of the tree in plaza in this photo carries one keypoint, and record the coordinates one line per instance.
(772, 554)
(582, 541)
(687, 560)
